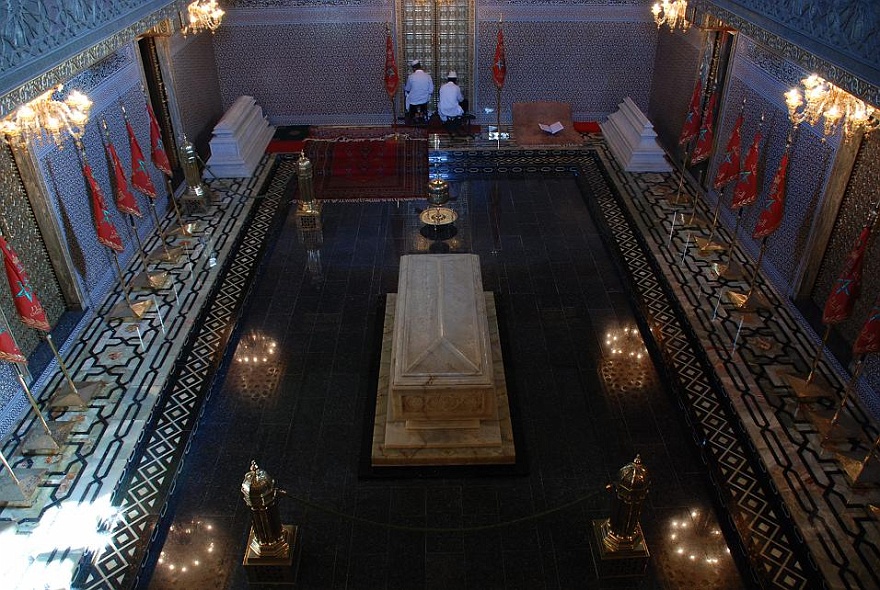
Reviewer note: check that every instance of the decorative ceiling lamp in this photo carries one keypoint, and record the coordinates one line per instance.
(46, 119)
(204, 15)
(836, 108)
(673, 14)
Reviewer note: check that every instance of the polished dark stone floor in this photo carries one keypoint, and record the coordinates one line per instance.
(297, 394)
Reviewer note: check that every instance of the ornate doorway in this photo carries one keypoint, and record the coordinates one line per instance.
(440, 33)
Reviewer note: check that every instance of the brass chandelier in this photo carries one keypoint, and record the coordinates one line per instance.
(46, 119)
(203, 15)
(673, 14)
(836, 108)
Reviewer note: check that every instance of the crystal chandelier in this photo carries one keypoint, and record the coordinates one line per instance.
(673, 14)
(46, 119)
(836, 108)
(204, 15)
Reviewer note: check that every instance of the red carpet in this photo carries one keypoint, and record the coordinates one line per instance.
(285, 146)
(369, 169)
(587, 127)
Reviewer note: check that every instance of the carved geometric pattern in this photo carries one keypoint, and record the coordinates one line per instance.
(155, 464)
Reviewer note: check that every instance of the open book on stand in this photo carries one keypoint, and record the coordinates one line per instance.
(552, 128)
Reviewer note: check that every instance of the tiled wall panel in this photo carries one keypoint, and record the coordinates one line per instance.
(197, 88)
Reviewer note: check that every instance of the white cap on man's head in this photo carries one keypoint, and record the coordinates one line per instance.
(452, 74)
(415, 62)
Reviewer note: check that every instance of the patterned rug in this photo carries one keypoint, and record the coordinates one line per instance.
(369, 169)
(374, 132)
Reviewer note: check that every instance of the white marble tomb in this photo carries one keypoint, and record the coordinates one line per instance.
(239, 141)
(442, 397)
(633, 141)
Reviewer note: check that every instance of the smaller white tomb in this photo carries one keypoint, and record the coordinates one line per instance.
(239, 141)
(633, 141)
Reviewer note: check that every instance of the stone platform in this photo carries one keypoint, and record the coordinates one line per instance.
(441, 393)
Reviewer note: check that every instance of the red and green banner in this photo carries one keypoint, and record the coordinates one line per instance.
(499, 62)
(771, 215)
(140, 178)
(157, 150)
(27, 304)
(392, 78)
(104, 227)
(728, 170)
(706, 136)
(125, 200)
(840, 302)
(9, 351)
(868, 340)
(692, 121)
(746, 190)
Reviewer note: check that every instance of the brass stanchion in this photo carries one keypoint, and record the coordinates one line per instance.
(273, 548)
(620, 544)
(707, 245)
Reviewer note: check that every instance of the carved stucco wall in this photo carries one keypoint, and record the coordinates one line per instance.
(324, 72)
(838, 39)
(46, 42)
(675, 73)
(307, 72)
(197, 88)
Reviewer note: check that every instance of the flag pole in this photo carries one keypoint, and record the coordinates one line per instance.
(731, 271)
(498, 112)
(24, 488)
(827, 427)
(750, 301)
(49, 441)
(184, 230)
(128, 309)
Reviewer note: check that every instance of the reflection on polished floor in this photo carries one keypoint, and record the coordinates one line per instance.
(615, 346)
(299, 390)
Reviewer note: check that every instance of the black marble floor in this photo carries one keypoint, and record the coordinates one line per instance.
(296, 391)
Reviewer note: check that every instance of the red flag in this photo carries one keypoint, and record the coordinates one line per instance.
(392, 78)
(746, 190)
(499, 64)
(707, 134)
(28, 305)
(839, 304)
(729, 167)
(868, 340)
(771, 216)
(8, 349)
(692, 121)
(107, 233)
(125, 201)
(157, 152)
(140, 179)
